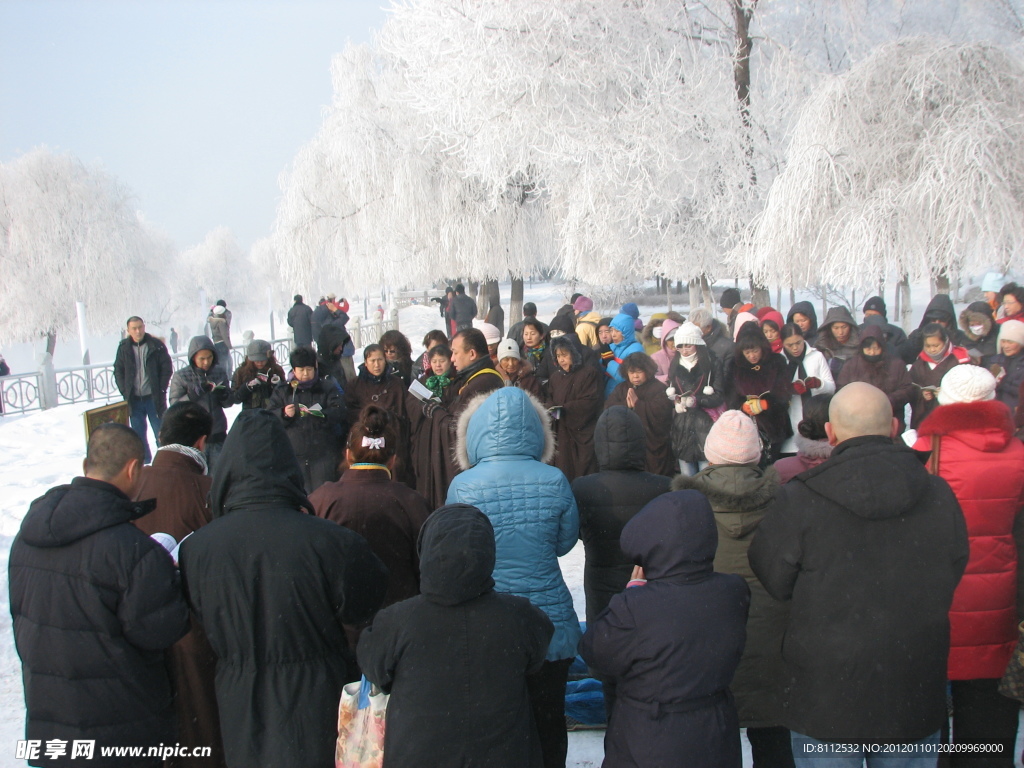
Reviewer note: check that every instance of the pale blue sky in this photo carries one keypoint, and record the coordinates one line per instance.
(196, 105)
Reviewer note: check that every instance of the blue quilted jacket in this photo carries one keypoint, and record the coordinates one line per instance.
(504, 438)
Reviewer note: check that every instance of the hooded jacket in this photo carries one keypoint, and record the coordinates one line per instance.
(673, 644)
(624, 324)
(586, 329)
(809, 454)
(718, 340)
(504, 444)
(609, 499)
(273, 588)
(984, 465)
(330, 338)
(209, 389)
(868, 547)
(300, 318)
(455, 658)
(578, 393)
(94, 602)
(655, 410)
(939, 309)
(986, 344)
(739, 496)
(807, 309)
(836, 353)
(888, 374)
(666, 351)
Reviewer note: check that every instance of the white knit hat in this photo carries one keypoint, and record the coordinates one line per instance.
(508, 348)
(218, 310)
(1012, 330)
(967, 383)
(733, 439)
(490, 332)
(688, 333)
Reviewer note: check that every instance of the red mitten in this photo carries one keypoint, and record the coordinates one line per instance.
(813, 382)
(800, 387)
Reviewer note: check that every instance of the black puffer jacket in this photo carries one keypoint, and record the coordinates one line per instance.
(95, 602)
(273, 588)
(158, 368)
(317, 435)
(868, 548)
(455, 658)
(609, 499)
(939, 310)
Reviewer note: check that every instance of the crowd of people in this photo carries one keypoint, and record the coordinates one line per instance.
(807, 531)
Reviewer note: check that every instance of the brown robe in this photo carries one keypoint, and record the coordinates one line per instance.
(180, 488)
(655, 411)
(390, 395)
(579, 394)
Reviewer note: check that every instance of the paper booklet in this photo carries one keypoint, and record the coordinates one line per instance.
(420, 392)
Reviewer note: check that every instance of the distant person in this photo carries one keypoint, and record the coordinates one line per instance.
(462, 310)
(142, 373)
(174, 341)
(220, 333)
(516, 331)
(204, 382)
(5, 370)
(255, 379)
(300, 318)
(95, 602)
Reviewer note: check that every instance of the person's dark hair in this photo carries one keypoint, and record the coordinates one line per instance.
(374, 423)
(369, 349)
(133, 319)
(222, 303)
(184, 423)
(604, 322)
(460, 288)
(790, 329)
(572, 299)
(397, 340)
(751, 337)
(537, 325)
(473, 339)
(639, 361)
(869, 338)
(935, 329)
(529, 309)
(302, 357)
(111, 447)
(441, 350)
(812, 426)
(297, 298)
(1015, 290)
(435, 335)
(773, 324)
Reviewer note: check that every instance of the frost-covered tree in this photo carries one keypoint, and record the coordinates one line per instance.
(908, 164)
(68, 232)
(219, 266)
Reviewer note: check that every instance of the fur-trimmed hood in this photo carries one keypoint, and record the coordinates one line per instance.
(978, 313)
(986, 425)
(738, 494)
(503, 424)
(812, 449)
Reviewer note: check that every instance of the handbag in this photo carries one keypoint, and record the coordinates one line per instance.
(361, 717)
(1011, 684)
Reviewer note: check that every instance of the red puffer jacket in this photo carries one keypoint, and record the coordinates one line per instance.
(984, 465)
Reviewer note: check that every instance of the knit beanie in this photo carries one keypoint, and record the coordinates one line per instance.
(730, 298)
(583, 304)
(490, 332)
(508, 348)
(742, 319)
(733, 439)
(631, 309)
(876, 303)
(967, 384)
(1012, 330)
(688, 333)
(992, 282)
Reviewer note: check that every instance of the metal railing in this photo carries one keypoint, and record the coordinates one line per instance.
(25, 392)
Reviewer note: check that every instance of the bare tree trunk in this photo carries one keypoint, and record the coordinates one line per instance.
(694, 286)
(515, 308)
(759, 294)
(942, 282)
(473, 291)
(51, 342)
(792, 296)
(905, 309)
(705, 289)
(741, 73)
(668, 294)
(778, 297)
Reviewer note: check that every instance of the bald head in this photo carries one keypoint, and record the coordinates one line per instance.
(859, 409)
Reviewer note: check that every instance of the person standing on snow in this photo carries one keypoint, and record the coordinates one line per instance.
(300, 318)
(142, 373)
(205, 383)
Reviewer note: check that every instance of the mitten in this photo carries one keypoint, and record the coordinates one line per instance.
(813, 382)
(429, 407)
(690, 402)
(800, 387)
(670, 393)
(252, 384)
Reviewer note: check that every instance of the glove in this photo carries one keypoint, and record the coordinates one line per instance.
(813, 382)
(690, 402)
(209, 386)
(253, 383)
(754, 406)
(670, 393)
(429, 407)
(800, 387)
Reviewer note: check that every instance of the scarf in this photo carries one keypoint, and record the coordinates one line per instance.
(186, 450)
(365, 375)
(945, 352)
(688, 362)
(437, 384)
(536, 353)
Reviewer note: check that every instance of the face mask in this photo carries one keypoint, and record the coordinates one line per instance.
(872, 358)
(978, 330)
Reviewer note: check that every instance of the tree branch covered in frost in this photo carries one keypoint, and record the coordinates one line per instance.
(908, 163)
(219, 266)
(68, 233)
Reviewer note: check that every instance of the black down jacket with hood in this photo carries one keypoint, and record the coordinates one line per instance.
(609, 499)
(455, 658)
(95, 602)
(273, 588)
(939, 310)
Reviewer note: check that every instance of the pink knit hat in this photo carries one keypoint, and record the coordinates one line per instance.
(733, 439)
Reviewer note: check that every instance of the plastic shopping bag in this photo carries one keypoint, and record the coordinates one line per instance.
(361, 726)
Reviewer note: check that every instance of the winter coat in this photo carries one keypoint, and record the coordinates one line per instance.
(177, 483)
(462, 311)
(389, 392)
(807, 309)
(586, 329)
(622, 350)
(300, 318)
(318, 440)
(94, 602)
(333, 343)
(655, 410)
(526, 379)
(194, 384)
(667, 350)
(505, 442)
(925, 373)
(673, 644)
(690, 426)
(324, 315)
(159, 370)
(718, 340)
(815, 366)
(739, 496)
(939, 309)
(809, 454)
(274, 588)
(650, 343)
(496, 317)
(578, 394)
(981, 347)
(868, 547)
(609, 499)
(888, 374)
(387, 514)
(891, 336)
(457, 698)
(837, 354)
(424, 462)
(516, 331)
(220, 333)
(258, 395)
(1009, 385)
(768, 380)
(984, 465)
